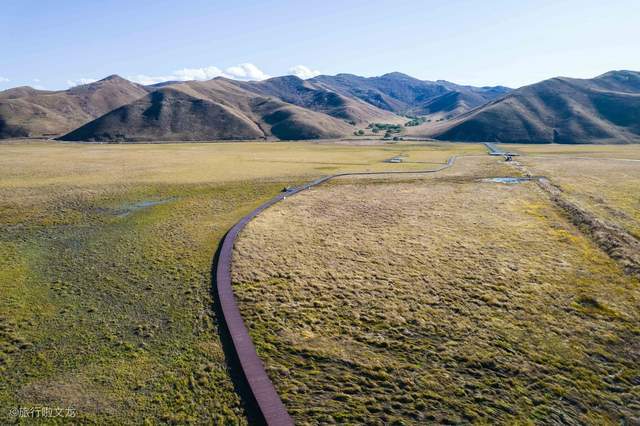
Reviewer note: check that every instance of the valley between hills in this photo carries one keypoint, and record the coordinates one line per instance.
(601, 110)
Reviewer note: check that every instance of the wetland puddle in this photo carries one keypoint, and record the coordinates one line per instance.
(396, 159)
(509, 180)
(127, 209)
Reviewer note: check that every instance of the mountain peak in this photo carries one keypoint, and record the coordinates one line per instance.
(286, 78)
(114, 78)
(398, 75)
(615, 73)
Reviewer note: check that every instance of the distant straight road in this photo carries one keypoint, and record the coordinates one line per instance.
(493, 149)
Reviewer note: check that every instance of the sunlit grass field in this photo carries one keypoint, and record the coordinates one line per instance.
(105, 261)
(602, 179)
(631, 151)
(445, 299)
(105, 282)
(609, 188)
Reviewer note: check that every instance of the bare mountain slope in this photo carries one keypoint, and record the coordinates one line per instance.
(306, 94)
(403, 94)
(27, 112)
(214, 109)
(605, 109)
(281, 107)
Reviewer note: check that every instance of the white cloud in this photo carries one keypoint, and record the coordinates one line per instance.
(149, 79)
(4, 79)
(303, 72)
(244, 71)
(206, 73)
(80, 81)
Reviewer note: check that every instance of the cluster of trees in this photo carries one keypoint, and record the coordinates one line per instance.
(415, 121)
(384, 126)
(392, 129)
(389, 129)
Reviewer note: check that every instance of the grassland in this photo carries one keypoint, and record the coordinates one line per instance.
(631, 151)
(105, 257)
(603, 180)
(440, 299)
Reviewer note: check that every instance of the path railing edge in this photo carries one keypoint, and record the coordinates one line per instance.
(268, 403)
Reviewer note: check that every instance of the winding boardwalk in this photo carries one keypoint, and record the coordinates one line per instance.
(270, 408)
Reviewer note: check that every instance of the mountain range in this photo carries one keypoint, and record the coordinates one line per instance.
(605, 109)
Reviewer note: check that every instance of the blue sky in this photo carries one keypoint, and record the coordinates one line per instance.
(54, 44)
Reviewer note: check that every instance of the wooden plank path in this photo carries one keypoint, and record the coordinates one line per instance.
(269, 406)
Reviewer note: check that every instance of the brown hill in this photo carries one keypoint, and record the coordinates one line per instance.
(564, 110)
(27, 112)
(281, 107)
(605, 109)
(403, 94)
(306, 94)
(208, 110)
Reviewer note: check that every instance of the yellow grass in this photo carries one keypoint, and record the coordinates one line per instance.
(105, 286)
(631, 151)
(46, 163)
(609, 188)
(444, 299)
(105, 258)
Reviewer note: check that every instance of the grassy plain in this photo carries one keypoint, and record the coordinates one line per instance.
(105, 257)
(440, 299)
(603, 180)
(631, 151)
